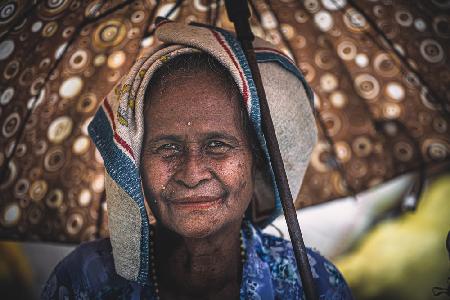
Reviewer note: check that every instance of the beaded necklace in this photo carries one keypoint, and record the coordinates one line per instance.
(152, 259)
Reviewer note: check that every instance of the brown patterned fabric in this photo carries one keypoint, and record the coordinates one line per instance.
(381, 83)
(378, 111)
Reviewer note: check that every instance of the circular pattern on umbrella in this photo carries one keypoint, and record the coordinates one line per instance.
(431, 51)
(361, 60)
(441, 25)
(71, 87)
(346, 50)
(81, 145)
(54, 159)
(323, 20)
(51, 8)
(78, 61)
(334, 4)
(384, 66)
(116, 59)
(11, 215)
(21, 187)
(6, 49)
(367, 86)
(10, 177)
(59, 129)
(8, 10)
(49, 29)
(10, 125)
(11, 69)
(108, 34)
(85, 197)
(395, 91)
(355, 21)
(7, 95)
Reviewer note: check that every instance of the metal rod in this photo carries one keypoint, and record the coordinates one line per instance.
(239, 13)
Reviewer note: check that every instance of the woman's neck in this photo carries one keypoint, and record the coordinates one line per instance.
(197, 268)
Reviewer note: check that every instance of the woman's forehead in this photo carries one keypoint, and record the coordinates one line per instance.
(200, 101)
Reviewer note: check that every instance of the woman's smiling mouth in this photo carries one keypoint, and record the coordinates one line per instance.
(196, 203)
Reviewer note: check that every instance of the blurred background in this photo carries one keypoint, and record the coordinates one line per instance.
(376, 196)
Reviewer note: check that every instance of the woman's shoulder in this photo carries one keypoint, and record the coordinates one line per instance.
(279, 254)
(87, 257)
(278, 246)
(85, 271)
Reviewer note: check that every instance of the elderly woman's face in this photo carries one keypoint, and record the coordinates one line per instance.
(196, 160)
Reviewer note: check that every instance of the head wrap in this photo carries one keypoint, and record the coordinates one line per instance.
(117, 129)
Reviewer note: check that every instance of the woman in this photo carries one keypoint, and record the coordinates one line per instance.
(188, 181)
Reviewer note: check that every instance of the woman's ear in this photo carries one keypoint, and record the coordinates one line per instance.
(151, 217)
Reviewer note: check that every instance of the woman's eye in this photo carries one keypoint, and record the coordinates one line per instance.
(168, 150)
(217, 147)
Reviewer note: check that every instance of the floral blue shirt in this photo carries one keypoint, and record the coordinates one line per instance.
(269, 272)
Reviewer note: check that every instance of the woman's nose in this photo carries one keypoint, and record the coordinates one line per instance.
(193, 171)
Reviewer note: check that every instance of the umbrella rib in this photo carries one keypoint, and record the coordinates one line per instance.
(174, 8)
(88, 20)
(397, 53)
(336, 164)
(168, 15)
(149, 23)
(92, 18)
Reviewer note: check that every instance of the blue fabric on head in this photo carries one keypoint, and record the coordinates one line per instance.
(123, 171)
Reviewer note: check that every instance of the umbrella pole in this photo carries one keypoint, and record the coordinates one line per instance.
(239, 14)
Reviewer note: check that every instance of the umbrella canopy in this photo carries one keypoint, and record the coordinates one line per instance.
(58, 64)
(381, 96)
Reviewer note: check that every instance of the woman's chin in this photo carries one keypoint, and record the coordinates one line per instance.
(196, 233)
(198, 220)
(196, 225)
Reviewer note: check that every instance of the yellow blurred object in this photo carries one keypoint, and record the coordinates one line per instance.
(404, 258)
(15, 272)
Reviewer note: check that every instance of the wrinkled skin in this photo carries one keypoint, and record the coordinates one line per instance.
(197, 173)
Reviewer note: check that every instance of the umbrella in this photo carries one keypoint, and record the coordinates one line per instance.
(373, 88)
(381, 97)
